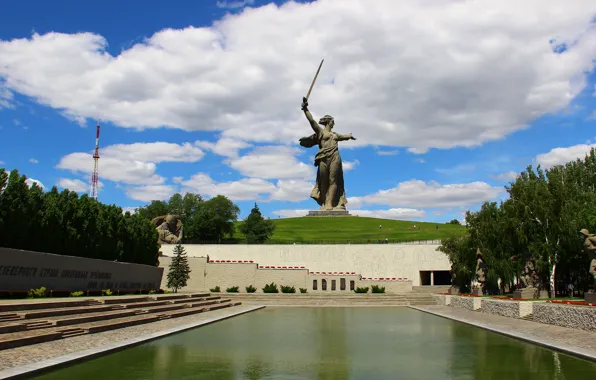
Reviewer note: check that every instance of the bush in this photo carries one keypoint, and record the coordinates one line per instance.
(37, 293)
(233, 289)
(361, 290)
(106, 292)
(270, 288)
(377, 289)
(288, 289)
(215, 290)
(250, 289)
(152, 291)
(80, 293)
(302, 290)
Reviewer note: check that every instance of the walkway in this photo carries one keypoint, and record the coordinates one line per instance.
(571, 341)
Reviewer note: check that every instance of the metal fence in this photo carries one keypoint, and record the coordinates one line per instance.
(319, 242)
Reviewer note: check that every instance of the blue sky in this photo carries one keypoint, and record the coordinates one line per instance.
(447, 100)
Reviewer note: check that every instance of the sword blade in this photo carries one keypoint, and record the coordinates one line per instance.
(314, 80)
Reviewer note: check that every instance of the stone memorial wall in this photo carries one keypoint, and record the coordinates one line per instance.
(24, 270)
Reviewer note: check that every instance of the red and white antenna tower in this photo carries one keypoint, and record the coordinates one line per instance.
(95, 175)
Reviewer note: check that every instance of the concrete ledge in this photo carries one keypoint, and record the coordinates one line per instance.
(442, 299)
(577, 317)
(470, 303)
(511, 309)
(544, 342)
(27, 371)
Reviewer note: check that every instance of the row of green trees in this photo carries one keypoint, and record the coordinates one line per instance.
(210, 220)
(64, 223)
(541, 219)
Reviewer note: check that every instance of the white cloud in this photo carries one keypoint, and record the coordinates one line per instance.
(393, 213)
(349, 165)
(132, 210)
(233, 4)
(272, 162)
(2, 163)
(508, 176)
(6, 97)
(155, 152)
(33, 161)
(150, 192)
(241, 190)
(387, 152)
(292, 190)
(418, 194)
(133, 164)
(560, 156)
(31, 181)
(418, 74)
(249, 188)
(74, 185)
(113, 169)
(227, 147)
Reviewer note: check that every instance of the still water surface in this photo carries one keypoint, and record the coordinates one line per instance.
(333, 343)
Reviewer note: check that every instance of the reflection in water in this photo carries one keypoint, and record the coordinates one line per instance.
(333, 343)
(332, 359)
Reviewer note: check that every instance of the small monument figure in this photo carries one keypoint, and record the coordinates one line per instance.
(481, 271)
(528, 279)
(169, 228)
(590, 249)
(329, 191)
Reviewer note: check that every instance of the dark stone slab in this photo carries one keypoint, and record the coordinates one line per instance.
(526, 293)
(331, 213)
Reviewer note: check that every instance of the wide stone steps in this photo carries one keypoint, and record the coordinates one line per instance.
(34, 332)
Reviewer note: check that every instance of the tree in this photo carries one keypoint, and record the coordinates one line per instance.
(214, 220)
(179, 272)
(454, 221)
(153, 210)
(256, 228)
(65, 224)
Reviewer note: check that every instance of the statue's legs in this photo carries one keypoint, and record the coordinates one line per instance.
(324, 184)
(331, 196)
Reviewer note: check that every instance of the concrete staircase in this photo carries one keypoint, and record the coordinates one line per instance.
(36, 322)
(431, 289)
(419, 299)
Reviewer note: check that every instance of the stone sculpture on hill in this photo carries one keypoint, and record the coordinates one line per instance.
(590, 249)
(329, 191)
(169, 228)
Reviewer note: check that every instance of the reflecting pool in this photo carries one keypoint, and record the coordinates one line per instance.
(333, 343)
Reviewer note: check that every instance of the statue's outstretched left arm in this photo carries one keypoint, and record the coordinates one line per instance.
(345, 137)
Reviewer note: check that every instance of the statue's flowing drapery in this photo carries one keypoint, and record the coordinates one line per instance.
(329, 165)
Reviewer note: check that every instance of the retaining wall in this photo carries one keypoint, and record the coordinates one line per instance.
(511, 309)
(577, 317)
(470, 303)
(24, 270)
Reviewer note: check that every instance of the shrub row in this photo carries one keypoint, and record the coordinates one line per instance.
(272, 288)
(44, 292)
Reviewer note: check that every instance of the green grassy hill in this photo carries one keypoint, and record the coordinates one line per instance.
(355, 230)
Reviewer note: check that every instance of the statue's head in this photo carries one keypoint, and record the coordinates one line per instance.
(584, 232)
(172, 221)
(327, 121)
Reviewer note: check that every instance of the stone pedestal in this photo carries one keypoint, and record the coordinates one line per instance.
(477, 291)
(590, 298)
(526, 293)
(329, 213)
(453, 290)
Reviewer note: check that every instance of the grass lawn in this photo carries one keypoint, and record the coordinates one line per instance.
(355, 230)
